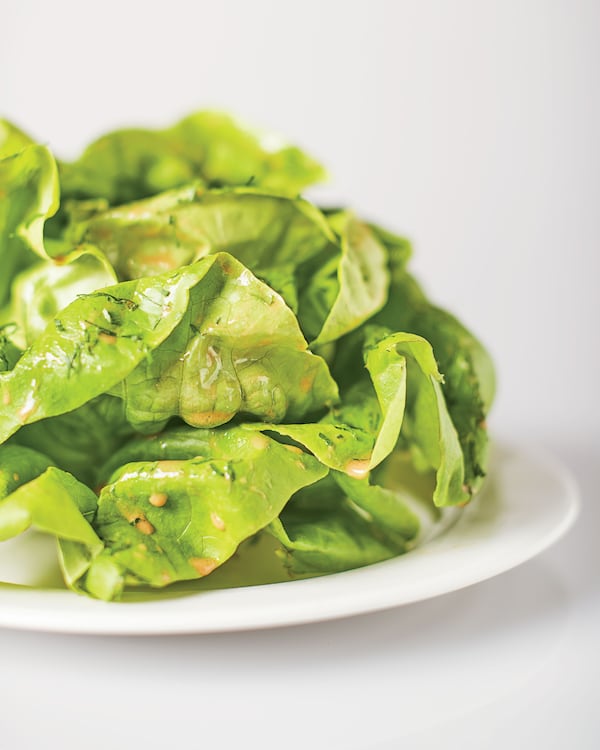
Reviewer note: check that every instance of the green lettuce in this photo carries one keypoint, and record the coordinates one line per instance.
(203, 343)
(129, 164)
(44, 289)
(193, 356)
(321, 532)
(178, 227)
(93, 431)
(468, 384)
(9, 352)
(18, 466)
(358, 435)
(330, 270)
(57, 504)
(158, 528)
(347, 290)
(28, 196)
(12, 139)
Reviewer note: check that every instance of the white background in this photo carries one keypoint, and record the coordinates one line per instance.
(473, 127)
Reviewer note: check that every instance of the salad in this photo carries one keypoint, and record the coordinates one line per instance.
(192, 356)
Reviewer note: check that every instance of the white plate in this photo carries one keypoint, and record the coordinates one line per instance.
(528, 503)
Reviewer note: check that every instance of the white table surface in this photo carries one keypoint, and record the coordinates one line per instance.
(473, 126)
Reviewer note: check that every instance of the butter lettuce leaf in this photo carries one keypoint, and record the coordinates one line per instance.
(469, 381)
(19, 465)
(335, 524)
(361, 280)
(53, 502)
(202, 343)
(191, 354)
(57, 504)
(81, 440)
(92, 345)
(264, 231)
(129, 164)
(9, 351)
(173, 519)
(330, 270)
(29, 195)
(404, 401)
(44, 289)
(237, 349)
(178, 442)
(357, 434)
(321, 532)
(12, 139)
(389, 508)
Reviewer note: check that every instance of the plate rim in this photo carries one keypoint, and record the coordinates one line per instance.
(219, 610)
